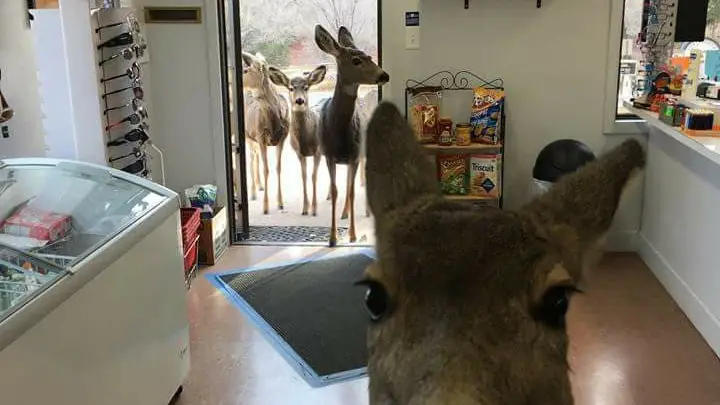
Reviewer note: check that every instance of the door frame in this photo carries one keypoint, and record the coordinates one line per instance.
(236, 237)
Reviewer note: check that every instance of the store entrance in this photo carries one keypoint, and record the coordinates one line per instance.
(260, 37)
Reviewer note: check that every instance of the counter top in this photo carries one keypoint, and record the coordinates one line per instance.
(708, 147)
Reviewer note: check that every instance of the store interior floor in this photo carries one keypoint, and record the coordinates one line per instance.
(630, 344)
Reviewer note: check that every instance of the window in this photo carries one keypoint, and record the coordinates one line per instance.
(631, 54)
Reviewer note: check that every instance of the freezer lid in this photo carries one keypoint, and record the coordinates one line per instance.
(64, 210)
(22, 278)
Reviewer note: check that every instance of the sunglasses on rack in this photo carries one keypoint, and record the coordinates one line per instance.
(136, 104)
(6, 113)
(123, 39)
(133, 72)
(135, 135)
(138, 153)
(137, 167)
(133, 52)
(131, 22)
(136, 88)
(134, 119)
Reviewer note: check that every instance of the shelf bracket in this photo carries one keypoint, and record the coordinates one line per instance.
(467, 4)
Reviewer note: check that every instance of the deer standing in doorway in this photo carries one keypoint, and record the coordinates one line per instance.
(266, 122)
(468, 306)
(339, 127)
(303, 125)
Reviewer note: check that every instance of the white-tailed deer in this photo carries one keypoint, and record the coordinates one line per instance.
(266, 123)
(468, 306)
(303, 125)
(339, 129)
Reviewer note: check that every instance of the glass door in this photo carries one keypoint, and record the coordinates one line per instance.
(234, 129)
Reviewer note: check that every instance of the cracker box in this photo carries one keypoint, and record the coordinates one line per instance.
(33, 223)
(485, 176)
(214, 238)
(486, 116)
(453, 174)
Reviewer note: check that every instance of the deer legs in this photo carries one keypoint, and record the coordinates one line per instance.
(316, 163)
(303, 169)
(333, 197)
(266, 174)
(279, 176)
(352, 170)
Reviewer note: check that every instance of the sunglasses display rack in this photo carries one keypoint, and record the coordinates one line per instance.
(655, 39)
(121, 55)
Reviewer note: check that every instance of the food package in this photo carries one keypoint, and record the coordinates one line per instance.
(202, 196)
(485, 176)
(33, 223)
(425, 112)
(486, 116)
(453, 173)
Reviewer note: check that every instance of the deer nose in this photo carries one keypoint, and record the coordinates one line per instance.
(384, 78)
(299, 101)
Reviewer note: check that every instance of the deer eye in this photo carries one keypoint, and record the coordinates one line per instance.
(376, 300)
(553, 307)
(356, 60)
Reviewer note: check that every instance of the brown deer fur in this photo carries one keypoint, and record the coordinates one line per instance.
(468, 320)
(266, 123)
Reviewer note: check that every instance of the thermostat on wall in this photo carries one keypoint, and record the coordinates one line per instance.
(412, 30)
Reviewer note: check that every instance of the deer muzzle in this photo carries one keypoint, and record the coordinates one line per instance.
(300, 101)
(383, 78)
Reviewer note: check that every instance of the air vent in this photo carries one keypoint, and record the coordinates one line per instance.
(173, 15)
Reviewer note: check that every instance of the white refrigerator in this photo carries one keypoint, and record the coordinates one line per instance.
(92, 291)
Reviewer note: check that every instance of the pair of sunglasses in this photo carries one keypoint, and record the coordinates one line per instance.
(136, 104)
(138, 167)
(131, 21)
(125, 38)
(136, 51)
(136, 152)
(133, 72)
(136, 88)
(6, 113)
(134, 119)
(136, 135)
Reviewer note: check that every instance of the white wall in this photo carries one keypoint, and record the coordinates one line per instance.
(20, 83)
(553, 62)
(184, 83)
(680, 221)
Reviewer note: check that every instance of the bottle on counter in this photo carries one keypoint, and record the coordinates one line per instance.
(445, 133)
(463, 134)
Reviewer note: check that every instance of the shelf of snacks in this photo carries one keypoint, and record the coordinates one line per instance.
(469, 154)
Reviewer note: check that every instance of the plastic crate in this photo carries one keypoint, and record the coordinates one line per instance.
(190, 221)
(191, 256)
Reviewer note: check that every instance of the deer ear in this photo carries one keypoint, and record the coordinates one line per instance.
(317, 75)
(248, 59)
(326, 42)
(345, 38)
(398, 170)
(577, 212)
(278, 77)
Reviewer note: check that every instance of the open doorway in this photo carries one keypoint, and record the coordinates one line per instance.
(281, 34)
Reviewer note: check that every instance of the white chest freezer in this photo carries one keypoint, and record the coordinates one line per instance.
(92, 292)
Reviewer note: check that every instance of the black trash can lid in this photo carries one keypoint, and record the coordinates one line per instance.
(561, 157)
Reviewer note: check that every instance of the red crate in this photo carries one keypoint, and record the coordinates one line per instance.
(190, 221)
(191, 255)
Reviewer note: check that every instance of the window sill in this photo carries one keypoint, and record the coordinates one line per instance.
(626, 127)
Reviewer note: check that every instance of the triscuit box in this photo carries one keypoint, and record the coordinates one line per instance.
(485, 175)
(214, 238)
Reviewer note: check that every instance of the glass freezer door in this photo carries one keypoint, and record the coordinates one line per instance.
(22, 278)
(63, 211)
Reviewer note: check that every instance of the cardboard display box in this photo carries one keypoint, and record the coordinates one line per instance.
(214, 237)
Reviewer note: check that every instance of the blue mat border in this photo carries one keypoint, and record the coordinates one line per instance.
(285, 350)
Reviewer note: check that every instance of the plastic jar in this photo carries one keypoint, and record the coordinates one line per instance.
(445, 134)
(462, 134)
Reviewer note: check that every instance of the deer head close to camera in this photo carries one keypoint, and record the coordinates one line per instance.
(468, 306)
(339, 129)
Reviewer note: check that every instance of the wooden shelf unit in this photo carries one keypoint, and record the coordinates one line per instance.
(473, 148)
